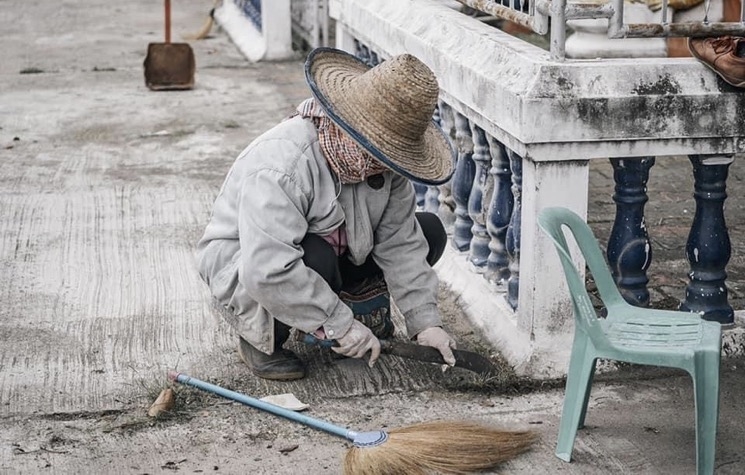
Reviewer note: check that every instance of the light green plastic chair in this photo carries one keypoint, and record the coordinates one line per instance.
(631, 334)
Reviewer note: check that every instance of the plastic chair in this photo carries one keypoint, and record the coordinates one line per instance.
(631, 334)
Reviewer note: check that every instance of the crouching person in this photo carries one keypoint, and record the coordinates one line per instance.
(315, 224)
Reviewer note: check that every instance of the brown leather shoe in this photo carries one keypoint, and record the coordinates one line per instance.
(282, 365)
(724, 55)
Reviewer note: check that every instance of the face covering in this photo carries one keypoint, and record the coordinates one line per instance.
(345, 158)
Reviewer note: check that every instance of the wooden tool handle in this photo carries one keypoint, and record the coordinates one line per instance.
(168, 21)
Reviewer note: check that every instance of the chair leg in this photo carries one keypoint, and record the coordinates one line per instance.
(582, 415)
(581, 366)
(706, 396)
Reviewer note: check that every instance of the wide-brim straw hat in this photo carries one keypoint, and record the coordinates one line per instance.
(386, 109)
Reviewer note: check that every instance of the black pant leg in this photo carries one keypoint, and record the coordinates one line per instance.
(319, 255)
(434, 233)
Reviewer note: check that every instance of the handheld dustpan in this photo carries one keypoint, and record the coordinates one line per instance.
(169, 66)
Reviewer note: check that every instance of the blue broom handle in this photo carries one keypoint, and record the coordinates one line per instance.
(264, 406)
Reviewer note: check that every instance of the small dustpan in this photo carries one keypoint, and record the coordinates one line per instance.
(169, 66)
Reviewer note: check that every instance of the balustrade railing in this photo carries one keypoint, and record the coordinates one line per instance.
(536, 14)
(482, 199)
(310, 21)
(506, 171)
(487, 189)
(629, 250)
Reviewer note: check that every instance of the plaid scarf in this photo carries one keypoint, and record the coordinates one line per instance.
(347, 159)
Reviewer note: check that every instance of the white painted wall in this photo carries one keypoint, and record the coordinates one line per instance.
(273, 42)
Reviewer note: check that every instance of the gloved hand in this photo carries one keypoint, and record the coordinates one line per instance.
(357, 341)
(438, 338)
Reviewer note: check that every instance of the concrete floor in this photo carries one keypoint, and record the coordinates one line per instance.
(105, 187)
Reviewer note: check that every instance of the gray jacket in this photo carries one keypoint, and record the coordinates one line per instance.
(278, 190)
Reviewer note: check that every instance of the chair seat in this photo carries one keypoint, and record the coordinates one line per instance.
(659, 338)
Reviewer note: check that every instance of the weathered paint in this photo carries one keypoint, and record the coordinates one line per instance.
(592, 108)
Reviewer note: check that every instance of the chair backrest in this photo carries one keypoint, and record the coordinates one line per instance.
(552, 221)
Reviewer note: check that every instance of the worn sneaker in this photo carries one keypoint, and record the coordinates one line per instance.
(724, 55)
(282, 365)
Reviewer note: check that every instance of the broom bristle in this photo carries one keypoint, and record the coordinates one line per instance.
(203, 32)
(441, 447)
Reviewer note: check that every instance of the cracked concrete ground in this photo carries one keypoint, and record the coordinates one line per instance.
(105, 187)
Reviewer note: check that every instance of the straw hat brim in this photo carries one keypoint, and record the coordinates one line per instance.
(429, 160)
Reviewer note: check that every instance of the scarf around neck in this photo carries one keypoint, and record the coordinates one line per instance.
(345, 158)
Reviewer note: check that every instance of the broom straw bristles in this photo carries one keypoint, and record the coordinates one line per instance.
(206, 27)
(439, 447)
(203, 32)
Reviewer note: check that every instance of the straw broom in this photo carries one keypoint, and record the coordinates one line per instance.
(206, 27)
(441, 447)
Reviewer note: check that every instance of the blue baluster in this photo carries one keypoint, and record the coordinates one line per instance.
(513, 230)
(420, 191)
(432, 199)
(446, 209)
(422, 202)
(432, 195)
(479, 249)
(500, 213)
(462, 183)
(436, 114)
(708, 247)
(629, 249)
(362, 52)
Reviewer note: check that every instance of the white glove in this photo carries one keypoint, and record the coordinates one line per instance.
(438, 338)
(357, 341)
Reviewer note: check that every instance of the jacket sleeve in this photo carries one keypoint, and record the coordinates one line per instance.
(271, 224)
(400, 250)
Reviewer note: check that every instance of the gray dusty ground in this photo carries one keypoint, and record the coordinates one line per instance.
(105, 187)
